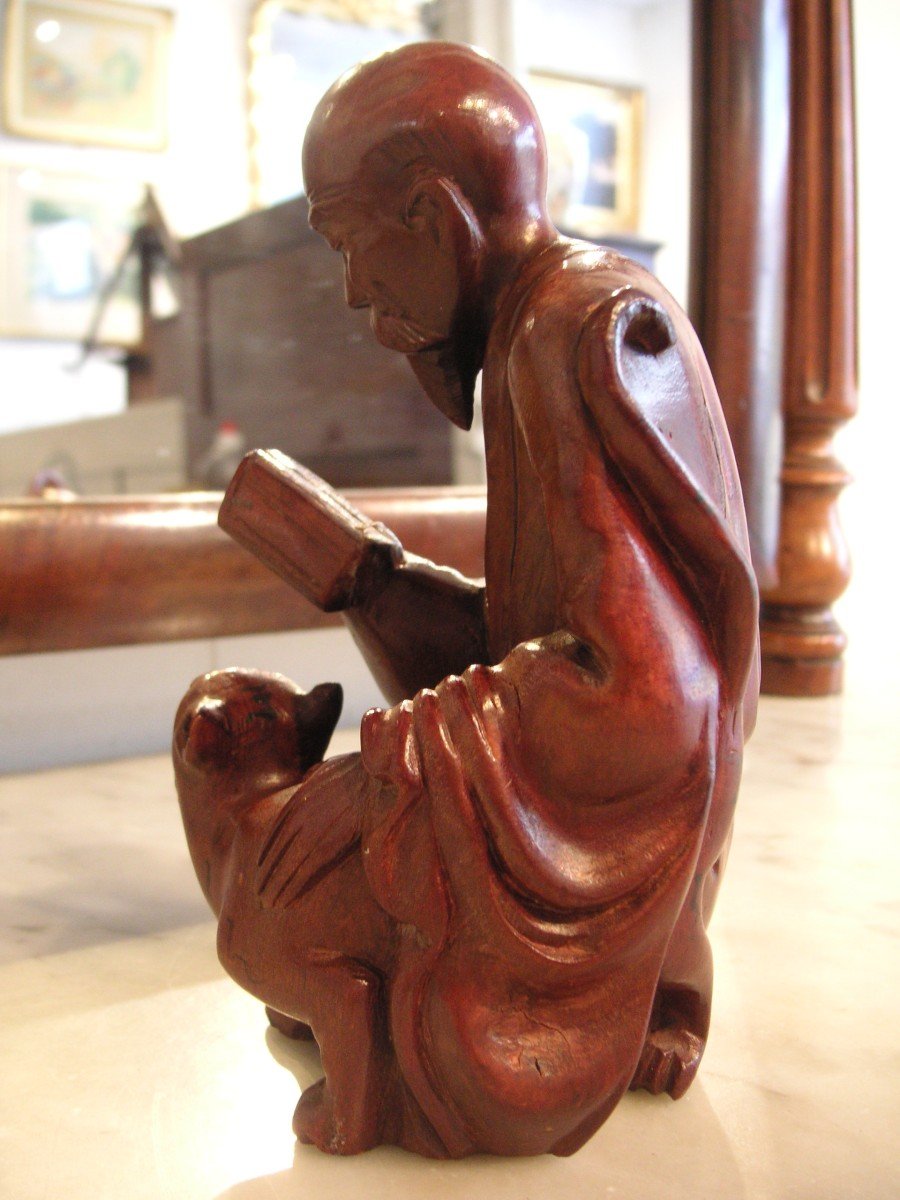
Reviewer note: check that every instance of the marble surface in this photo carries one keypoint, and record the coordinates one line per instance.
(132, 1068)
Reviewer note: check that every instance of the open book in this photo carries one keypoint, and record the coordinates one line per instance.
(305, 531)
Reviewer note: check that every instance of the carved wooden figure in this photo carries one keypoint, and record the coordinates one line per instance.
(494, 917)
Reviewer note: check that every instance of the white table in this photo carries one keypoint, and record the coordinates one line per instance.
(132, 1068)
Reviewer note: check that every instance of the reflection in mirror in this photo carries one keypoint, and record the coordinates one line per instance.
(266, 62)
(297, 49)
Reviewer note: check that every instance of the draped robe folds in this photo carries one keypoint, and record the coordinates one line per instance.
(535, 825)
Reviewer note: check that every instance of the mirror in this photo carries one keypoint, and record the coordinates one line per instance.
(297, 50)
(240, 80)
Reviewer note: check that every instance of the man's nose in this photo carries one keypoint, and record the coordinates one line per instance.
(352, 293)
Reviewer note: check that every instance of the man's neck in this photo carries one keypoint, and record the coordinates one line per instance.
(512, 255)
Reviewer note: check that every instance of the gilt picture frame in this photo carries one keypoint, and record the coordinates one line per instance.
(593, 132)
(87, 71)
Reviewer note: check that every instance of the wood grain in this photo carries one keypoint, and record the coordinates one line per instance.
(107, 572)
(773, 297)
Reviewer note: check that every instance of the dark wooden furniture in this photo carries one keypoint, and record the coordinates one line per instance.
(261, 336)
(78, 574)
(773, 298)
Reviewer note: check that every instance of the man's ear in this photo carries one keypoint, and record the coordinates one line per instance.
(436, 207)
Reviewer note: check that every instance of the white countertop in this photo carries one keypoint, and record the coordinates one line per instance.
(131, 1067)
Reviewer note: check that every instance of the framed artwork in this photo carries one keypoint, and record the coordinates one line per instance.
(87, 71)
(297, 50)
(62, 238)
(593, 135)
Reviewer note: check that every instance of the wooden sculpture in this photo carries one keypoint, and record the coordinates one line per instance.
(493, 918)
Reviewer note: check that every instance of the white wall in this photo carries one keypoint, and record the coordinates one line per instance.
(664, 33)
(88, 705)
(202, 175)
(598, 40)
(869, 445)
(39, 385)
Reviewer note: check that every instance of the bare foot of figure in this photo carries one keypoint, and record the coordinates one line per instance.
(669, 1062)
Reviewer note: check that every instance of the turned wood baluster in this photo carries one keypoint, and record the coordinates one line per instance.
(802, 643)
(773, 298)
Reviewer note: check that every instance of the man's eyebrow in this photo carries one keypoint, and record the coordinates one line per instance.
(325, 201)
(317, 214)
(325, 215)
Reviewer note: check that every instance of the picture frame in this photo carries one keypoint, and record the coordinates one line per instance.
(297, 50)
(89, 71)
(63, 236)
(593, 131)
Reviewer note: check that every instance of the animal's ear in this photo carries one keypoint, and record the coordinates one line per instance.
(437, 208)
(315, 715)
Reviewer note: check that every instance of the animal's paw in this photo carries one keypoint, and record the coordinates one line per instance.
(668, 1062)
(316, 1124)
(289, 1026)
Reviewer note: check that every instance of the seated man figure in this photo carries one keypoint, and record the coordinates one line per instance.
(493, 918)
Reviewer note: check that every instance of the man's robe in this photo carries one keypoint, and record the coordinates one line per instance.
(542, 818)
(535, 826)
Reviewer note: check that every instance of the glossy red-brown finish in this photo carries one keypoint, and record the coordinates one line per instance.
(78, 574)
(494, 917)
(773, 297)
(738, 237)
(801, 641)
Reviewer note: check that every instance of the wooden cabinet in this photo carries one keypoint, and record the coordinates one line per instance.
(260, 335)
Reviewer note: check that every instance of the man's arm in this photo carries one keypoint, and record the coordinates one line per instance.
(415, 622)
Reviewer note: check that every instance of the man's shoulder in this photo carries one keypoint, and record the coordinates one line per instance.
(558, 303)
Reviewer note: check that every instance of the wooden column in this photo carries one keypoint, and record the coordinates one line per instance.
(802, 643)
(738, 237)
(773, 298)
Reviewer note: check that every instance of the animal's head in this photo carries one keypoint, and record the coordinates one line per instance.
(253, 729)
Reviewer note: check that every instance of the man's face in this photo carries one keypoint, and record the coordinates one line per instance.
(395, 269)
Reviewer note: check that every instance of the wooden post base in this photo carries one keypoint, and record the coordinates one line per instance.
(802, 652)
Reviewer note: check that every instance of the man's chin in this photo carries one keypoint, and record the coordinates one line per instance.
(402, 335)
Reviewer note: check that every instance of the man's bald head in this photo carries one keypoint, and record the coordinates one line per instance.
(430, 108)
